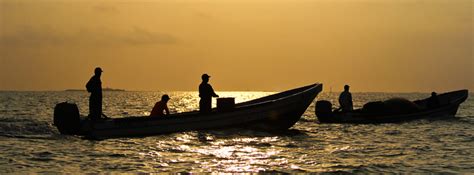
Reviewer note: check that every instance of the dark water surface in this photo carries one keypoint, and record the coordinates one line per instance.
(30, 144)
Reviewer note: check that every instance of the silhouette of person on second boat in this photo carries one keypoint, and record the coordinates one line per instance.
(345, 100)
(161, 106)
(94, 86)
(433, 101)
(206, 93)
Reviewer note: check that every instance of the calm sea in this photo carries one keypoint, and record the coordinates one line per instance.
(30, 144)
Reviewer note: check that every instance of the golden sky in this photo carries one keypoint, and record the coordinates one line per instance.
(272, 45)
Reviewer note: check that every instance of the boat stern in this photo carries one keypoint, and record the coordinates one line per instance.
(67, 118)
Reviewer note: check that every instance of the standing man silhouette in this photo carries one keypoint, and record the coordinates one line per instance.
(206, 93)
(94, 86)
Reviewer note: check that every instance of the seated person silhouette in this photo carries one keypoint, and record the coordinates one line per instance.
(161, 107)
(433, 101)
(345, 100)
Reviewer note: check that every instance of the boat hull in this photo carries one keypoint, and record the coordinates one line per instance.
(275, 112)
(448, 109)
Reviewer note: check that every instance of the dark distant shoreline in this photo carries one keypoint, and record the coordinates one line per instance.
(104, 89)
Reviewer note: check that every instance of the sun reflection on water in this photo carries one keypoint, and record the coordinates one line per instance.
(314, 148)
(216, 154)
(241, 157)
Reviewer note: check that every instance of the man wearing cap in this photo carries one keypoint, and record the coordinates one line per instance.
(206, 93)
(94, 86)
(345, 100)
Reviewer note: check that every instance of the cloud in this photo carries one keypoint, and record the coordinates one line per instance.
(28, 36)
(105, 9)
(139, 36)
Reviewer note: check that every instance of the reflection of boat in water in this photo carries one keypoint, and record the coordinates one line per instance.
(448, 106)
(103, 89)
(274, 112)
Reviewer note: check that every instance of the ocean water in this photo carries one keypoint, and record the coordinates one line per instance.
(30, 144)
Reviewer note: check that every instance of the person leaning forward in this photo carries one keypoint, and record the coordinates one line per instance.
(206, 93)
(160, 107)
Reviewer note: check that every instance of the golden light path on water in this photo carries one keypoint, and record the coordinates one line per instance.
(229, 157)
(234, 155)
(238, 153)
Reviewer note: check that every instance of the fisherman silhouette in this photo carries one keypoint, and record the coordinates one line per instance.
(433, 101)
(206, 93)
(94, 86)
(161, 106)
(345, 100)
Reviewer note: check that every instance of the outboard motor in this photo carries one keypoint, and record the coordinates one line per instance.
(323, 108)
(66, 118)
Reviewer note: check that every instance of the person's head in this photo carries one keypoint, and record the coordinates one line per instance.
(205, 77)
(433, 94)
(346, 87)
(98, 71)
(165, 98)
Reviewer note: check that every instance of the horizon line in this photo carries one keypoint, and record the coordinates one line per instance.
(135, 90)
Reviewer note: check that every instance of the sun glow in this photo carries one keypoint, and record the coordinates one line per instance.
(244, 45)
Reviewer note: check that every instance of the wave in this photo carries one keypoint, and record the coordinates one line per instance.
(25, 127)
(36, 137)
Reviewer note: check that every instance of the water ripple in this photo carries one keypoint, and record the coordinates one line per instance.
(30, 144)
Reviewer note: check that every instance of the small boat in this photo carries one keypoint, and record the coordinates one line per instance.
(274, 112)
(447, 107)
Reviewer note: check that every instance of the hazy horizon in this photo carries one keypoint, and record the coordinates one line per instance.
(168, 91)
(259, 45)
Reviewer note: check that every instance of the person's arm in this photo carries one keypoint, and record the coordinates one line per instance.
(341, 101)
(96, 85)
(212, 92)
(350, 99)
(167, 110)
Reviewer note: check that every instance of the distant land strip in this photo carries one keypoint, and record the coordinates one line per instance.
(104, 89)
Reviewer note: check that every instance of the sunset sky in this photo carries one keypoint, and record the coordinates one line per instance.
(270, 45)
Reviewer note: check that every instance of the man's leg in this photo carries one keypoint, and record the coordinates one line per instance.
(94, 107)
